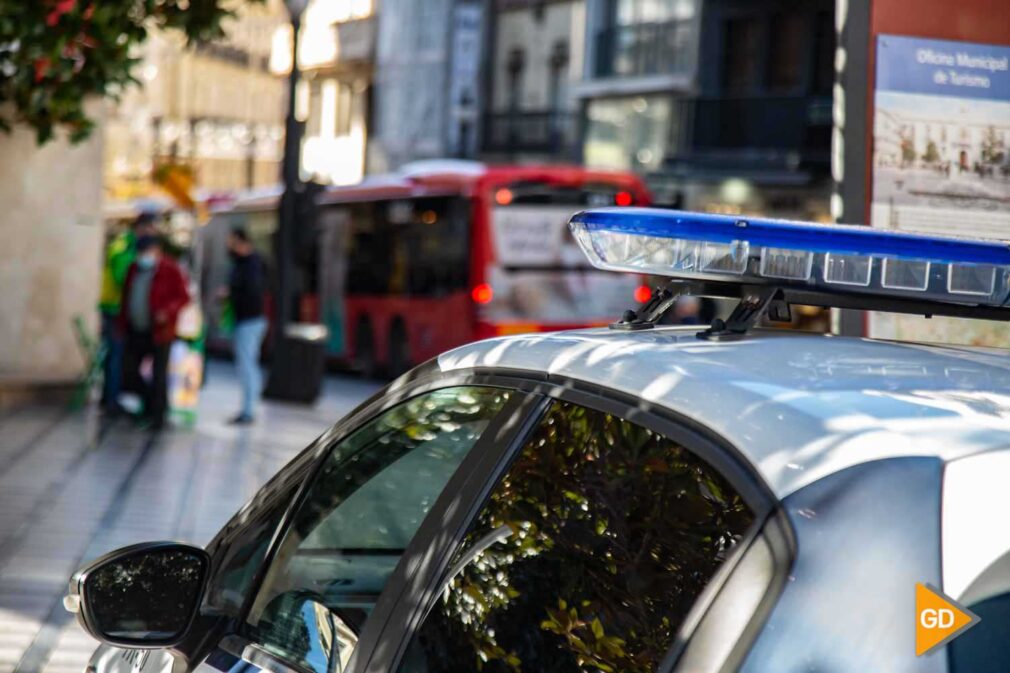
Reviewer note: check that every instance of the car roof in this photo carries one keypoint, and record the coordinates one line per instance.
(798, 406)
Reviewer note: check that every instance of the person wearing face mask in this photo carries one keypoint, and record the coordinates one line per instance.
(118, 256)
(153, 294)
(245, 291)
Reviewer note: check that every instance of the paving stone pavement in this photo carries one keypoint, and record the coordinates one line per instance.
(73, 488)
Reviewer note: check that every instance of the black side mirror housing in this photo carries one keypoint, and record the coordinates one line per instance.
(143, 596)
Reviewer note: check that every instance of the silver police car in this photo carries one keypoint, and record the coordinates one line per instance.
(638, 498)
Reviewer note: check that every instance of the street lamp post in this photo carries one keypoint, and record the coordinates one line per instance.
(286, 221)
(290, 175)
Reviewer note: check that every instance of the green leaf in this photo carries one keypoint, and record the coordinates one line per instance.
(85, 56)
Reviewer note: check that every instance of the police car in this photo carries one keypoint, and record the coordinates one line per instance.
(632, 498)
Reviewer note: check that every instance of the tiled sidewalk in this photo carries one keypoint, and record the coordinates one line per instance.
(71, 490)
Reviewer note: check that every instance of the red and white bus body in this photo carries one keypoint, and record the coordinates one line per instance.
(442, 253)
(523, 271)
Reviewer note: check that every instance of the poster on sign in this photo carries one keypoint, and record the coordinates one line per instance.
(941, 158)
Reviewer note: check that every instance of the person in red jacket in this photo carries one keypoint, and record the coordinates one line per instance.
(153, 294)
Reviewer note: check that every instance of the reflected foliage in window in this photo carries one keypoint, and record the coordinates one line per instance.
(367, 502)
(149, 595)
(587, 557)
(237, 551)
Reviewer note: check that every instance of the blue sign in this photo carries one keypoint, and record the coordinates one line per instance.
(943, 68)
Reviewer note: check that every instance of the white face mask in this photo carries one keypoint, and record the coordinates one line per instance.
(146, 261)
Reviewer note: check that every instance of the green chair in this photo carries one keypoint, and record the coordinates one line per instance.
(93, 352)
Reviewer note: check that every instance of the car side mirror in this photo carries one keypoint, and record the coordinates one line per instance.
(142, 596)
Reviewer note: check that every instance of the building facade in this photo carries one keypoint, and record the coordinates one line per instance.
(336, 57)
(724, 105)
(50, 262)
(217, 108)
(410, 83)
(759, 134)
(640, 67)
(427, 92)
(535, 61)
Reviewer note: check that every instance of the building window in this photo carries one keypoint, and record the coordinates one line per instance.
(630, 12)
(311, 94)
(557, 63)
(646, 37)
(514, 66)
(633, 133)
(741, 54)
(328, 109)
(824, 52)
(332, 109)
(785, 51)
(345, 106)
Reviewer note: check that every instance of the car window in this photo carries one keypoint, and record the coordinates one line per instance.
(368, 500)
(238, 549)
(588, 554)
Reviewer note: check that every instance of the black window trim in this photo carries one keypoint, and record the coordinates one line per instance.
(429, 552)
(384, 650)
(775, 530)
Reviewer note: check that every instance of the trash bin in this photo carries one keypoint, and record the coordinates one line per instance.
(299, 360)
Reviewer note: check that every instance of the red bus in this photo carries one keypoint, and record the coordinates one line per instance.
(445, 252)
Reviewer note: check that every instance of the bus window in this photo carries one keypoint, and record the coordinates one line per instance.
(369, 254)
(414, 247)
(436, 247)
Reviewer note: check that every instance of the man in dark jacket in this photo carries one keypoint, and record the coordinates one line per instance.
(245, 290)
(153, 295)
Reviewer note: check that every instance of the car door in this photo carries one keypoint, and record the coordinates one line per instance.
(237, 552)
(599, 543)
(387, 486)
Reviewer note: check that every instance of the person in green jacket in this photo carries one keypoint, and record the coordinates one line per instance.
(119, 255)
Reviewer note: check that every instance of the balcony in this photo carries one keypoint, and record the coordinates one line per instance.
(771, 137)
(541, 132)
(644, 49)
(355, 40)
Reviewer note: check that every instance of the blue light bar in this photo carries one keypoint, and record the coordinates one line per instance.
(696, 246)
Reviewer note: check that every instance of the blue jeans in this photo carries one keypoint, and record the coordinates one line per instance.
(112, 367)
(248, 337)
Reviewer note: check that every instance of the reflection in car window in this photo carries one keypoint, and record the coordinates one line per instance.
(588, 555)
(371, 495)
(238, 549)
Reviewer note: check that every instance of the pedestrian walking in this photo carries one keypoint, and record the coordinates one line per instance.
(153, 294)
(245, 291)
(119, 256)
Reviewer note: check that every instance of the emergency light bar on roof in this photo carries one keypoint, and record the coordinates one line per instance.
(826, 265)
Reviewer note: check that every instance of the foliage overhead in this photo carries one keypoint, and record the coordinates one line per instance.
(55, 54)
